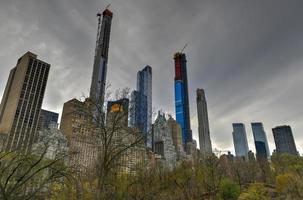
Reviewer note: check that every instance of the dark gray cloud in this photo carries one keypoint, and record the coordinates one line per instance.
(247, 55)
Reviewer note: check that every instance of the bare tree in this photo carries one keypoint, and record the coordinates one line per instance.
(28, 176)
(119, 146)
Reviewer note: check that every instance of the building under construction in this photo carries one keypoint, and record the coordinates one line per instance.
(181, 97)
(98, 83)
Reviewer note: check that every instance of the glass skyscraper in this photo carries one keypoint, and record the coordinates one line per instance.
(240, 140)
(138, 111)
(144, 86)
(141, 104)
(284, 140)
(260, 139)
(48, 119)
(181, 97)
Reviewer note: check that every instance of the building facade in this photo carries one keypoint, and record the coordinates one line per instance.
(175, 131)
(138, 111)
(98, 84)
(124, 137)
(77, 127)
(284, 140)
(203, 124)
(163, 141)
(117, 113)
(240, 140)
(181, 97)
(21, 103)
(260, 139)
(47, 119)
(144, 86)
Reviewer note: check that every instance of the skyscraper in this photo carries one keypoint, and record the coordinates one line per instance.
(98, 83)
(141, 104)
(240, 140)
(48, 119)
(144, 86)
(203, 123)
(22, 101)
(78, 127)
(260, 139)
(181, 97)
(138, 111)
(284, 140)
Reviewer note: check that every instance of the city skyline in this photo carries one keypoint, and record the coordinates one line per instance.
(276, 96)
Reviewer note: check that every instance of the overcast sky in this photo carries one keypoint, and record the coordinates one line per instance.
(247, 55)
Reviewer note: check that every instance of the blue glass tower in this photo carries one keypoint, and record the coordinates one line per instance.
(138, 111)
(181, 97)
(141, 104)
(240, 140)
(260, 139)
(144, 86)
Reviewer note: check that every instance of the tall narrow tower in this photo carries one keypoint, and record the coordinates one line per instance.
(203, 123)
(97, 88)
(181, 97)
(144, 86)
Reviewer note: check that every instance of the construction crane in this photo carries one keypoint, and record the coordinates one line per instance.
(107, 6)
(99, 13)
(183, 48)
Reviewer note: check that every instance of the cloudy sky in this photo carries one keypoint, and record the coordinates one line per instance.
(247, 55)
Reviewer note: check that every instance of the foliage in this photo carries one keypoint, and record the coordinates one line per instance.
(289, 186)
(255, 191)
(229, 190)
(199, 179)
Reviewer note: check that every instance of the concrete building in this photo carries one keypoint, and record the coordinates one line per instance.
(47, 119)
(124, 137)
(203, 124)
(22, 101)
(260, 139)
(98, 84)
(175, 131)
(284, 140)
(163, 141)
(133, 157)
(117, 113)
(181, 97)
(76, 125)
(240, 140)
